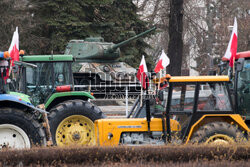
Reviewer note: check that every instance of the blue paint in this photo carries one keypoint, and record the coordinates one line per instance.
(1, 55)
(7, 97)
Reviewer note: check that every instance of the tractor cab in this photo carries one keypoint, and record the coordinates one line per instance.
(194, 109)
(240, 82)
(47, 73)
(243, 89)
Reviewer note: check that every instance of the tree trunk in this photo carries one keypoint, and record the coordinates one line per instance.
(175, 47)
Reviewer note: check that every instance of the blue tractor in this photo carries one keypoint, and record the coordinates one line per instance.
(19, 119)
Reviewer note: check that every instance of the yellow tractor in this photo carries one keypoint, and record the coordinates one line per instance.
(191, 109)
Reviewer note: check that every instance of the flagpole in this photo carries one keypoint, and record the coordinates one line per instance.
(141, 88)
(233, 66)
(155, 88)
(159, 82)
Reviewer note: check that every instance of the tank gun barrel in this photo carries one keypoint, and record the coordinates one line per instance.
(114, 47)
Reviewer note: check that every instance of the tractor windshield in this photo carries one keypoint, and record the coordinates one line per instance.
(212, 96)
(244, 75)
(2, 82)
(41, 81)
(244, 89)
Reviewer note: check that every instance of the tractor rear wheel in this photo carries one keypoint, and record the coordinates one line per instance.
(218, 133)
(19, 130)
(72, 123)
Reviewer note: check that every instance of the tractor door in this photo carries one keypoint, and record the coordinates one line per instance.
(39, 82)
(244, 90)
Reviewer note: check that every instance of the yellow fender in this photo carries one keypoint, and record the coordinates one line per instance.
(230, 118)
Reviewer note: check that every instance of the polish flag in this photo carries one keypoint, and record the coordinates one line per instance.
(162, 63)
(14, 47)
(232, 46)
(141, 74)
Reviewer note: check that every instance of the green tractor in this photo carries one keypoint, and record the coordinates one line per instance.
(240, 82)
(48, 80)
(19, 119)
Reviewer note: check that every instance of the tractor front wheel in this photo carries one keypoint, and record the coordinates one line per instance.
(19, 130)
(218, 133)
(72, 123)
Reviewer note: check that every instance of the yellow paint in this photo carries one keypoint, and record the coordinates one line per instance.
(104, 127)
(236, 118)
(199, 78)
(220, 139)
(193, 79)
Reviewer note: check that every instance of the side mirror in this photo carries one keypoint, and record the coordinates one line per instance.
(239, 65)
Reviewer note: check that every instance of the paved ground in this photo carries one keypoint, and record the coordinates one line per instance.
(113, 108)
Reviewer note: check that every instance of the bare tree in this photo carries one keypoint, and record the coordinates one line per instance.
(175, 47)
(206, 25)
(205, 29)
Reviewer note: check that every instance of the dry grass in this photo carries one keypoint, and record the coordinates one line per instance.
(237, 155)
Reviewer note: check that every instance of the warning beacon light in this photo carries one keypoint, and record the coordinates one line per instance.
(4, 55)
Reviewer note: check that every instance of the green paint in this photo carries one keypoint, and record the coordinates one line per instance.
(97, 50)
(67, 94)
(51, 58)
(22, 96)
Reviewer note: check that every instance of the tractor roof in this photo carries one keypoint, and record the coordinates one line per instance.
(185, 79)
(52, 58)
(199, 78)
(245, 54)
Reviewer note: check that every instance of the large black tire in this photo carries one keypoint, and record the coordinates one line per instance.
(60, 117)
(19, 119)
(220, 131)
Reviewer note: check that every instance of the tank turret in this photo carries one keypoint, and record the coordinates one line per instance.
(97, 69)
(96, 50)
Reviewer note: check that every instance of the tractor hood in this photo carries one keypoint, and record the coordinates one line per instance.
(20, 99)
(22, 96)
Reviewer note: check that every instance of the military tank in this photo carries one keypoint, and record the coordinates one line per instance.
(97, 69)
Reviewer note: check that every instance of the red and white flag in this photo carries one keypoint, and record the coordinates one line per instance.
(141, 74)
(14, 47)
(162, 63)
(232, 46)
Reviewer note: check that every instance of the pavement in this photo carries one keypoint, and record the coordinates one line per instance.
(113, 108)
